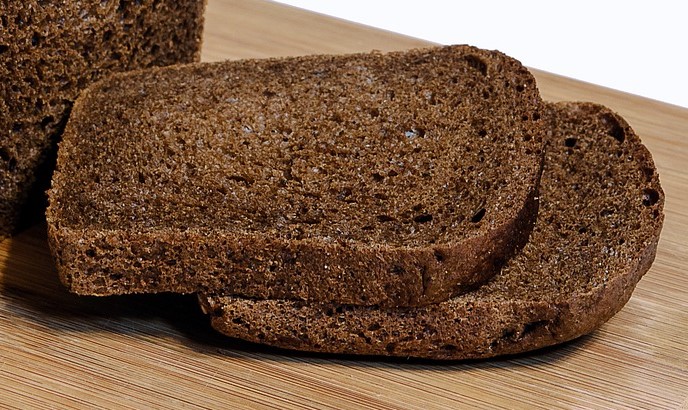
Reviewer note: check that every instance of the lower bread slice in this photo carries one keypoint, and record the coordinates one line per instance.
(601, 213)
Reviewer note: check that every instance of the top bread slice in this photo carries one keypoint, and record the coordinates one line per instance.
(394, 179)
(601, 213)
(51, 50)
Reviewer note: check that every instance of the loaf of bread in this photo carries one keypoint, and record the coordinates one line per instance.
(601, 212)
(395, 179)
(49, 51)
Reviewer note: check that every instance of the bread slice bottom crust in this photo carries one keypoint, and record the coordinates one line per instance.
(601, 213)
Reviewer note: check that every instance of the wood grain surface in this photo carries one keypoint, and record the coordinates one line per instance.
(58, 350)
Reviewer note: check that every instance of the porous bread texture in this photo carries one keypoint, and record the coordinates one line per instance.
(50, 50)
(394, 179)
(601, 213)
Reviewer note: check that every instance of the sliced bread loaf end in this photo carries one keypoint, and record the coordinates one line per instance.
(393, 179)
(49, 51)
(601, 213)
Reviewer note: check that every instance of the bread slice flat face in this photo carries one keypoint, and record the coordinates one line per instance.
(601, 212)
(49, 51)
(393, 179)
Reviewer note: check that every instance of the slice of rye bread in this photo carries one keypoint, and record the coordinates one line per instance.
(601, 212)
(396, 179)
(49, 51)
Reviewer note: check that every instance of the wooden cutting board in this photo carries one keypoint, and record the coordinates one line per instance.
(58, 350)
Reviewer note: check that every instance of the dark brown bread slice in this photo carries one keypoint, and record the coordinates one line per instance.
(601, 212)
(50, 50)
(397, 179)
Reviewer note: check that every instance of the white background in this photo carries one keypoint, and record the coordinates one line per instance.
(640, 47)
